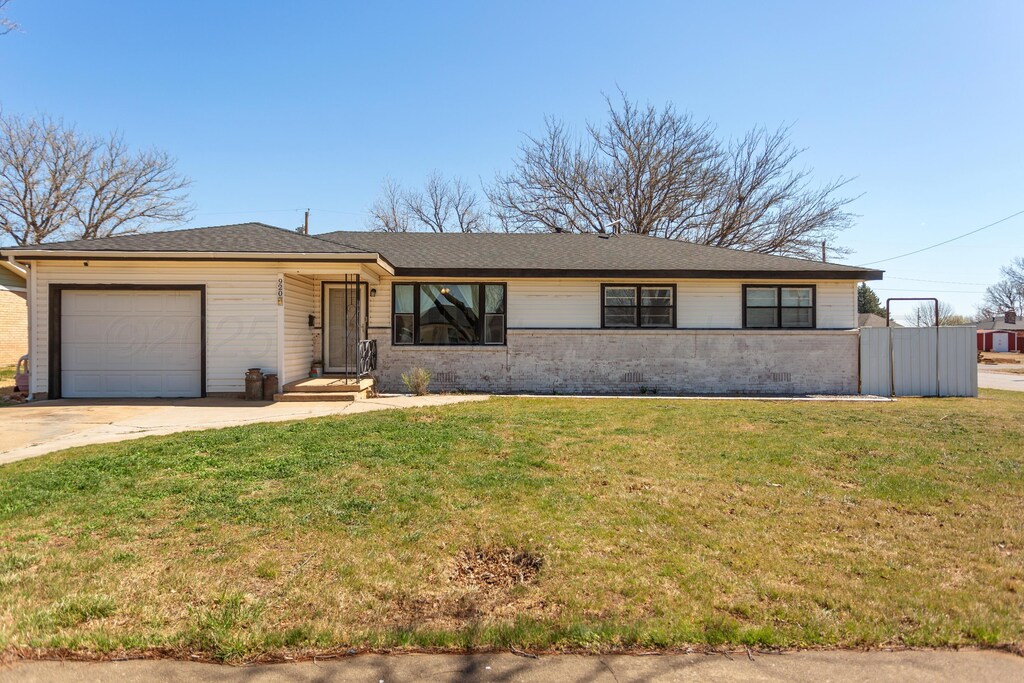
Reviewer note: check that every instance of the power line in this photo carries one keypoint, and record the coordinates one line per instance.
(229, 213)
(941, 282)
(937, 291)
(952, 239)
(248, 212)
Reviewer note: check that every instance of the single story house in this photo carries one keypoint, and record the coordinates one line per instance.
(13, 313)
(1001, 334)
(186, 312)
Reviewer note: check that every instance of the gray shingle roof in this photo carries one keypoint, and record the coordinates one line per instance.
(872, 320)
(241, 237)
(483, 254)
(1000, 325)
(415, 253)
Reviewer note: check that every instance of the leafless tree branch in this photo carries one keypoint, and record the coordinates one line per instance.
(442, 206)
(923, 315)
(57, 183)
(1007, 294)
(661, 173)
(6, 24)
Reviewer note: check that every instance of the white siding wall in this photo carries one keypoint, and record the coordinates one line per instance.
(298, 335)
(837, 305)
(535, 303)
(241, 311)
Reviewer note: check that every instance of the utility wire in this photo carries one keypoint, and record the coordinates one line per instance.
(952, 239)
(941, 282)
(937, 291)
(229, 213)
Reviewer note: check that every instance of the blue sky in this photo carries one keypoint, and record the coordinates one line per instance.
(273, 107)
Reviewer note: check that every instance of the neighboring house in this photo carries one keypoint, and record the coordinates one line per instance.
(13, 314)
(185, 313)
(872, 320)
(1001, 334)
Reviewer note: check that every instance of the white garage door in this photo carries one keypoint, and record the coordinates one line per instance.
(132, 344)
(1001, 342)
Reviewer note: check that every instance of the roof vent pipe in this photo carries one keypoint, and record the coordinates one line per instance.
(614, 225)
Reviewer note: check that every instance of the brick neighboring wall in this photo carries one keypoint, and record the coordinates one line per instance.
(634, 362)
(13, 326)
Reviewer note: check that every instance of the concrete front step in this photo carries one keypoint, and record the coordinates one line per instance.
(319, 396)
(328, 385)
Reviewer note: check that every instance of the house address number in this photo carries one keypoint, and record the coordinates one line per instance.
(280, 291)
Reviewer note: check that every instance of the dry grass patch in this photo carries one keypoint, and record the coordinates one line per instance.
(489, 568)
(533, 523)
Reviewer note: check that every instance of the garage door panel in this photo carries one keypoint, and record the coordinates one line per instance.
(181, 357)
(131, 344)
(183, 384)
(91, 303)
(118, 302)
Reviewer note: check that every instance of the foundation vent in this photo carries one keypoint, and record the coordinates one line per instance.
(781, 377)
(633, 377)
(447, 377)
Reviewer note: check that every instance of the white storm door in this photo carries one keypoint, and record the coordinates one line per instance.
(342, 327)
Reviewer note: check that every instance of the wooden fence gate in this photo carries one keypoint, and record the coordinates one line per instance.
(919, 361)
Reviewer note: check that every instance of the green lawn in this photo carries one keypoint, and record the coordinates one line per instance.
(529, 523)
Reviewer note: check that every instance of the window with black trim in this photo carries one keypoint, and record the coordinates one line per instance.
(442, 314)
(778, 306)
(638, 306)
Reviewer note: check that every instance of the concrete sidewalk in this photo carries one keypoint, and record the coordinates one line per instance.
(32, 429)
(1000, 377)
(906, 667)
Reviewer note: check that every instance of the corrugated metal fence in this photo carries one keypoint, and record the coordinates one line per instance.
(919, 361)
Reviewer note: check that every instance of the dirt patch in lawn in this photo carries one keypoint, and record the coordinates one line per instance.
(489, 568)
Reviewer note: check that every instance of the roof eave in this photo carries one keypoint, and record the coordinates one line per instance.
(858, 275)
(14, 268)
(109, 254)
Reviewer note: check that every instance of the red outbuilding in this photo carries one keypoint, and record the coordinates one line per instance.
(998, 340)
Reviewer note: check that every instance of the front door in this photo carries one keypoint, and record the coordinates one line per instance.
(343, 324)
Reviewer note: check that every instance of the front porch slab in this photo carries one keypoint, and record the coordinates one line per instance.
(329, 388)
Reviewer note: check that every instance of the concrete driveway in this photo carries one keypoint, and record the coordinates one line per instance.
(32, 429)
(1001, 377)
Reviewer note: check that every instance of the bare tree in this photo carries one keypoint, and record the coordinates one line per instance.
(444, 205)
(57, 183)
(1007, 294)
(6, 24)
(659, 172)
(388, 212)
(923, 315)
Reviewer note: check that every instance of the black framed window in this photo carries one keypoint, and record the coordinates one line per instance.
(779, 306)
(638, 306)
(448, 314)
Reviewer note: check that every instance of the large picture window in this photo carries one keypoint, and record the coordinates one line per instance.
(775, 307)
(442, 314)
(638, 306)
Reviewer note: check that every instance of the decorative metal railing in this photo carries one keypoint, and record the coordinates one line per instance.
(367, 357)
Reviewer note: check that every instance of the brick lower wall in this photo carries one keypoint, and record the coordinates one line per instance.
(13, 326)
(633, 362)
